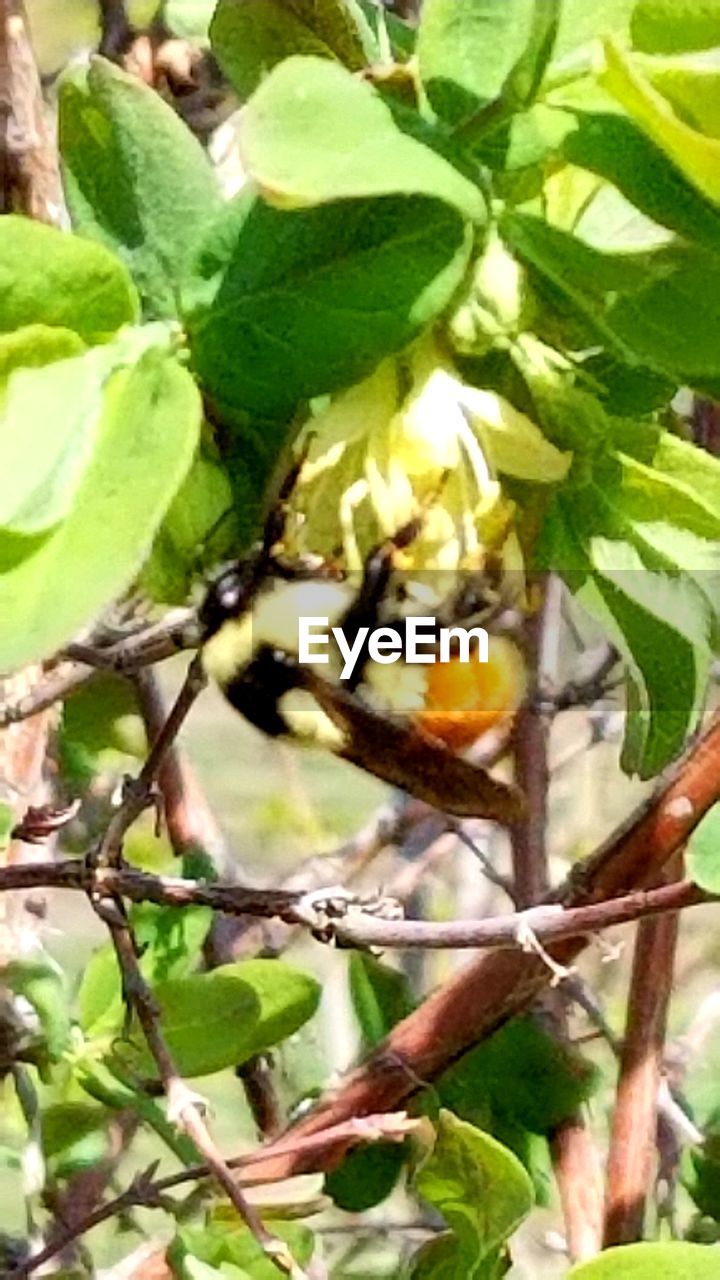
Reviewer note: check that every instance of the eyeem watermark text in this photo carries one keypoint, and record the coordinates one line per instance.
(420, 641)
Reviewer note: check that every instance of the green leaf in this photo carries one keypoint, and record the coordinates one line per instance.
(581, 24)
(220, 1019)
(74, 1137)
(232, 1251)
(466, 49)
(676, 1261)
(249, 37)
(199, 531)
(52, 278)
(135, 178)
(36, 345)
(643, 305)
(479, 1187)
(616, 149)
(144, 445)
(286, 306)
(691, 87)
(48, 426)
(522, 1075)
(695, 155)
(189, 19)
(703, 852)
(313, 133)
(41, 981)
(658, 621)
(671, 26)
(367, 1176)
(380, 996)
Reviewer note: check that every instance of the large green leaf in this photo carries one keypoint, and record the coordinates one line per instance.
(675, 1261)
(467, 48)
(313, 132)
(481, 1190)
(669, 26)
(522, 1075)
(51, 586)
(220, 1019)
(135, 178)
(52, 278)
(249, 37)
(48, 421)
(616, 149)
(286, 306)
(694, 154)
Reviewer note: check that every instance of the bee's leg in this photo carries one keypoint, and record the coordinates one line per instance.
(378, 569)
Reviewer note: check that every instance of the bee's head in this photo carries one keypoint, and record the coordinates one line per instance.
(224, 598)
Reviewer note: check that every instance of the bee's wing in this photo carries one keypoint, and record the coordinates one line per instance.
(400, 753)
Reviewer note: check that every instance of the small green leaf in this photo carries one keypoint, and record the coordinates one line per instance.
(74, 1137)
(703, 853)
(144, 445)
(692, 89)
(50, 277)
(313, 132)
(694, 154)
(466, 49)
(189, 19)
(286, 306)
(249, 37)
(220, 1019)
(41, 981)
(380, 995)
(229, 1250)
(199, 531)
(367, 1176)
(671, 26)
(36, 345)
(135, 178)
(479, 1187)
(675, 1261)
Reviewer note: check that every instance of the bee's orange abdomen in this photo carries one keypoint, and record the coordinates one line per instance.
(465, 699)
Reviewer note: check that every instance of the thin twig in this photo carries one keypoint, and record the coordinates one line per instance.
(138, 792)
(319, 1152)
(80, 661)
(352, 921)
(183, 1106)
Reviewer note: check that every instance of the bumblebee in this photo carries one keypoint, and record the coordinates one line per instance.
(404, 724)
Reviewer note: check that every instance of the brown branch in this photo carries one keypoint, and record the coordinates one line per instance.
(351, 921)
(29, 170)
(480, 998)
(574, 1157)
(80, 661)
(183, 1106)
(633, 1143)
